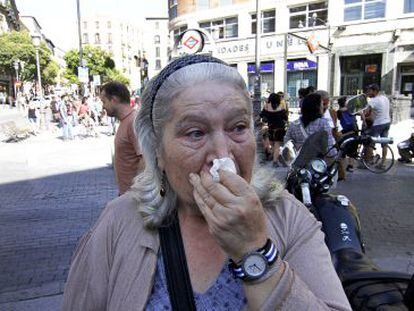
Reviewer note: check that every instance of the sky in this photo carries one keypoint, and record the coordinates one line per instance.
(58, 17)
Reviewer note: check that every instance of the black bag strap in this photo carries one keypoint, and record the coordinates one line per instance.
(175, 266)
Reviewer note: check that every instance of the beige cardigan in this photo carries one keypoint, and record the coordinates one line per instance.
(114, 264)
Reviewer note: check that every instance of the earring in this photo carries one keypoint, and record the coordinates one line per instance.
(162, 188)
(162, 191)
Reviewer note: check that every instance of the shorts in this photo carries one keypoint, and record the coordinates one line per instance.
(277, 134)
(380, 130)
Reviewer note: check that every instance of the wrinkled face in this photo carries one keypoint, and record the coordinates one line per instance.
(108, 104)
(210, 120)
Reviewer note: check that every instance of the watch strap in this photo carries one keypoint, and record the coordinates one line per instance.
(269, 253)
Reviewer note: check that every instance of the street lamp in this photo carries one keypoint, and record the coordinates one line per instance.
(36, 42)
(257, 96)
(16, 68)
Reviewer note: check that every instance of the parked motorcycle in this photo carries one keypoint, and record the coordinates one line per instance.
(366, 286)
(406, 150)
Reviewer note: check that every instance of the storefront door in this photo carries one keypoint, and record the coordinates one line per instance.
(352, 83)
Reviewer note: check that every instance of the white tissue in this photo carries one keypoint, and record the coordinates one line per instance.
(226, 164)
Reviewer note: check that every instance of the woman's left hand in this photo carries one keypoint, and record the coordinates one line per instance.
(233, 212)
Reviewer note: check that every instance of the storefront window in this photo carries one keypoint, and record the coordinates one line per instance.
(408, 6)
(357, 72)
(268, 22)
(266, 73)
(407, 79)
(364, 9)
(302, 16)
(301, 74)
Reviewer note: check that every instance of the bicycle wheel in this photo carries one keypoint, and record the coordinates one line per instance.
(375, 162)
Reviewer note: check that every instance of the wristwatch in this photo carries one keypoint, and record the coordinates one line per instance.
(255, 264)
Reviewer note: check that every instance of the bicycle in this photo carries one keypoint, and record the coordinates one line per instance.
(363, 149)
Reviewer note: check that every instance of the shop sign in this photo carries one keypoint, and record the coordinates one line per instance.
(264, 67)
(269, 46)
(301, 65)
(370, 68)
(83, 74)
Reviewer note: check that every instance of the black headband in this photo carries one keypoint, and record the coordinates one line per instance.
(176, 65)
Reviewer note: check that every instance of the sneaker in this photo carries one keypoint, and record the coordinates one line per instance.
(380, 166)
(402, 160)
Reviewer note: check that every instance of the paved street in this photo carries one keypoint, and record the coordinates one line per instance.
(52, 191)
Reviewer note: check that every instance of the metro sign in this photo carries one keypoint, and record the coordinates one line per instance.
(191, 42)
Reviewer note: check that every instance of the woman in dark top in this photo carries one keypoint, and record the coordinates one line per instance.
(275, 114)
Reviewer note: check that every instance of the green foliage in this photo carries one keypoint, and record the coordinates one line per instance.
(50, 73)
(115, 75)
(97, 60)
(18, 46)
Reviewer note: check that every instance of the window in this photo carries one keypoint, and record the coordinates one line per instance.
(226, 2)
(223, 28)
(97, 25)
(85, 39)
(157, 51)
(178, 32)
(172, 12)
(85, 25)
(268, 22)
(203, 4)
(108, 24)
(157, 39)
(309, 15)
(356, 10)
(157, 64)
(97, 38)
(109, 38)
(408, 6)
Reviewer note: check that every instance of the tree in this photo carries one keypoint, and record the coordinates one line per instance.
(115, 75)
(18, 46)
(97, 60)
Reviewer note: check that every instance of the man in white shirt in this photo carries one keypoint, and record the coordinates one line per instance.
(379, 109)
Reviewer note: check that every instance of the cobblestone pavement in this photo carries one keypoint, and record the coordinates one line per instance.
(40, 223)
(385, 203)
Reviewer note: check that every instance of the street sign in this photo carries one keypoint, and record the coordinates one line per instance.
(97, 80)
(83, 74)
(192, 41)
(312, 43)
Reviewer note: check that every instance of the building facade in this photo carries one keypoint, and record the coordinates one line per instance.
(155, 44)
(361, 41)
(120, 38)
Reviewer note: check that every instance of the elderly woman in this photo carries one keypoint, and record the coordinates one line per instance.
(166, 243)
(311, 121)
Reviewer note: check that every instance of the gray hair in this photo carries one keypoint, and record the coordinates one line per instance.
(324, 94)
(154, 207)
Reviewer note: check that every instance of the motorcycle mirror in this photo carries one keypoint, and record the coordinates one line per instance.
(357, 103)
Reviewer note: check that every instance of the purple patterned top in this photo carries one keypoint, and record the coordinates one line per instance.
(225, 294)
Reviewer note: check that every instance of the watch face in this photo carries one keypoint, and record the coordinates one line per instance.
(255, 265)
